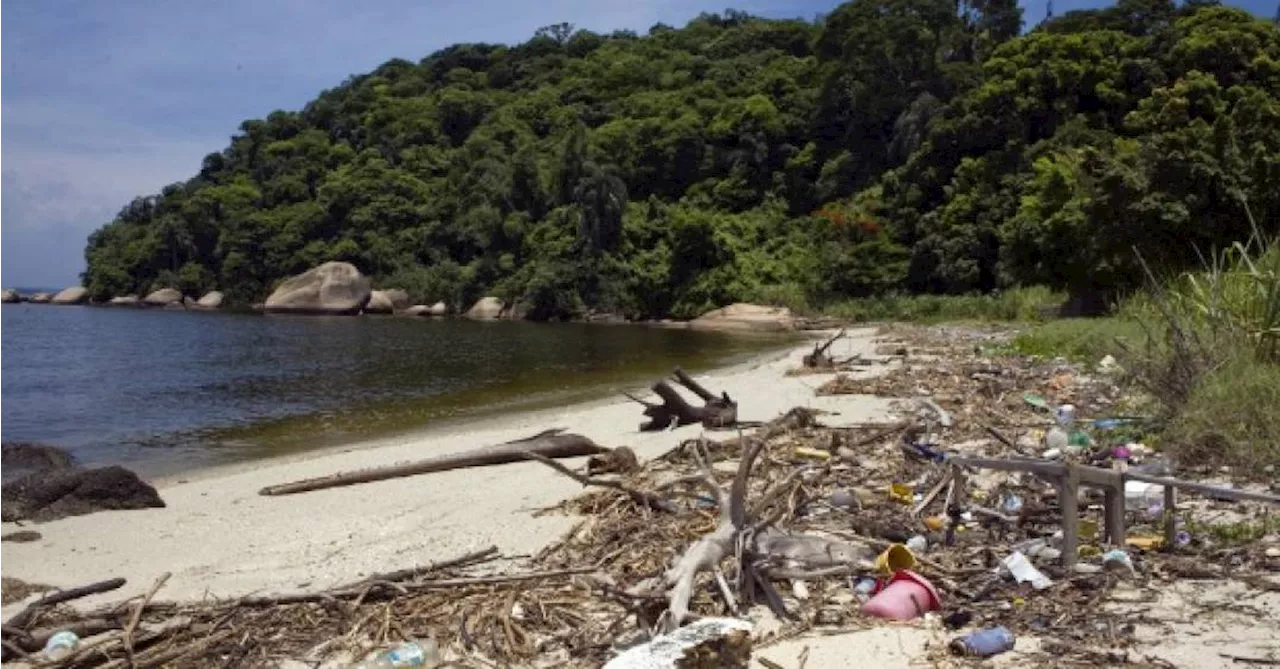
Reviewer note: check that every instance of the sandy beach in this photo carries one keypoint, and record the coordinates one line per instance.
(220, 538)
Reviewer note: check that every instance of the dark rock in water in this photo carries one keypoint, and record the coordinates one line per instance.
(51, 495)
(34, 457)
(22, 458)
(22, 537)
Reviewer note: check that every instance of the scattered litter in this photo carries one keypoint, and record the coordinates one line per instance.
(1024, 572)
(907, 596)
(984, 643)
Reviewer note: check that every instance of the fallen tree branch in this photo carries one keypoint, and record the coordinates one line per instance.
(716, 411)
(550, 444)
(23, 617)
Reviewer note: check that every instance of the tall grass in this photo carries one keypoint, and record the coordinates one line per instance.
(1032, 303)
(1212, 355)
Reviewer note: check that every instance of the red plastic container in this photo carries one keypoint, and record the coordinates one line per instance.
(907, 596)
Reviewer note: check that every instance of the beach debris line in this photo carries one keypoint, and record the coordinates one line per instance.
(717, 411)
(751, 528)
(549, 444)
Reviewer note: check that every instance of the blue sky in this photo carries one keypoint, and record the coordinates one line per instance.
(103, 101)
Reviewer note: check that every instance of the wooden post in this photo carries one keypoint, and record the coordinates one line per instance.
(1069, 501)
(1170, 518)
(1115, 516)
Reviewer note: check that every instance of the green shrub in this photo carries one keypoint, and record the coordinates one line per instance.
(1016, 304)
(1232, 417)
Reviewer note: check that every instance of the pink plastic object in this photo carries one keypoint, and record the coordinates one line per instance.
(907, 596)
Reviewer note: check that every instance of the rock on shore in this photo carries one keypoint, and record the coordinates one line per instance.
(486, 309)
(335, 288)
(72, 295)
(50, 495)
(163, 297)
(743, 317)
(211, 300)
(10, 296)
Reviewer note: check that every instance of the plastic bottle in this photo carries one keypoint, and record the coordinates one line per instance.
(984, 643)
(409, 654)
(61, 645)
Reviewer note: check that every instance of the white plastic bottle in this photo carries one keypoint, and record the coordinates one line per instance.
(409, 654)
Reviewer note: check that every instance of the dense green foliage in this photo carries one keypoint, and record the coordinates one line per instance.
(893, 145)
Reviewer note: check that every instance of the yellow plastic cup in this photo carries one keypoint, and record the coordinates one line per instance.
(894, 559)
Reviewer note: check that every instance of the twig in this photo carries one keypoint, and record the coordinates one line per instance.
(137, 614)
(1250, 660)
(640, 497)
(445, 583)
(23, 617)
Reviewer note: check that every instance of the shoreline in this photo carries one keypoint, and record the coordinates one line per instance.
(544, 412)
(219, 537)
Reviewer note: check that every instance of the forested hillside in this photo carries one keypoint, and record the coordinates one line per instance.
(916, 145)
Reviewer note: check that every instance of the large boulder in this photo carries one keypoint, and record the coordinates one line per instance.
(379, 303)
(124, 301)
(74, 492)
(742, 317)
(417, 310)
(399, 298)
(40, 298)
(211, 300)
(486, 309)
(163, 297)
(439, 309)
(10, 296)
(72, 295)
(331, 288)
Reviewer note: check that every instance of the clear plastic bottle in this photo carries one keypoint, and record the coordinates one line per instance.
(61, 645)
(409, 654)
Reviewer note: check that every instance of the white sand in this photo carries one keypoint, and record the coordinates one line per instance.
(219, 537)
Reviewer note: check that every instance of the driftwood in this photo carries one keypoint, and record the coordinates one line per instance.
(716, 411)
(549, 444)
(756, 548)
(820, 359)
(24, 617)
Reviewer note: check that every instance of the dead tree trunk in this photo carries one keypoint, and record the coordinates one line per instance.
(819, 359)
(550, 444)
(716, 411)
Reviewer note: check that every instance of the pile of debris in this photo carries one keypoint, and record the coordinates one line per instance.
(796, 525)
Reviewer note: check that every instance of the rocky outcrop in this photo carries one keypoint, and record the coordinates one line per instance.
(742, 317)
(399, 298)
(57, 494)
(184, 303)
(437, 309)
(163, 297)
(72, 295)
(331, 288)
(10, 296)
(486, 309)
(18, 459)
(40, 298)
(379, 303)
(211, 300)
(124, 301)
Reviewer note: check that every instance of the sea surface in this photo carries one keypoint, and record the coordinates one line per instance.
(168, 391)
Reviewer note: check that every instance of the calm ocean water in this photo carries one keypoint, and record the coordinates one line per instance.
(165, 391)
